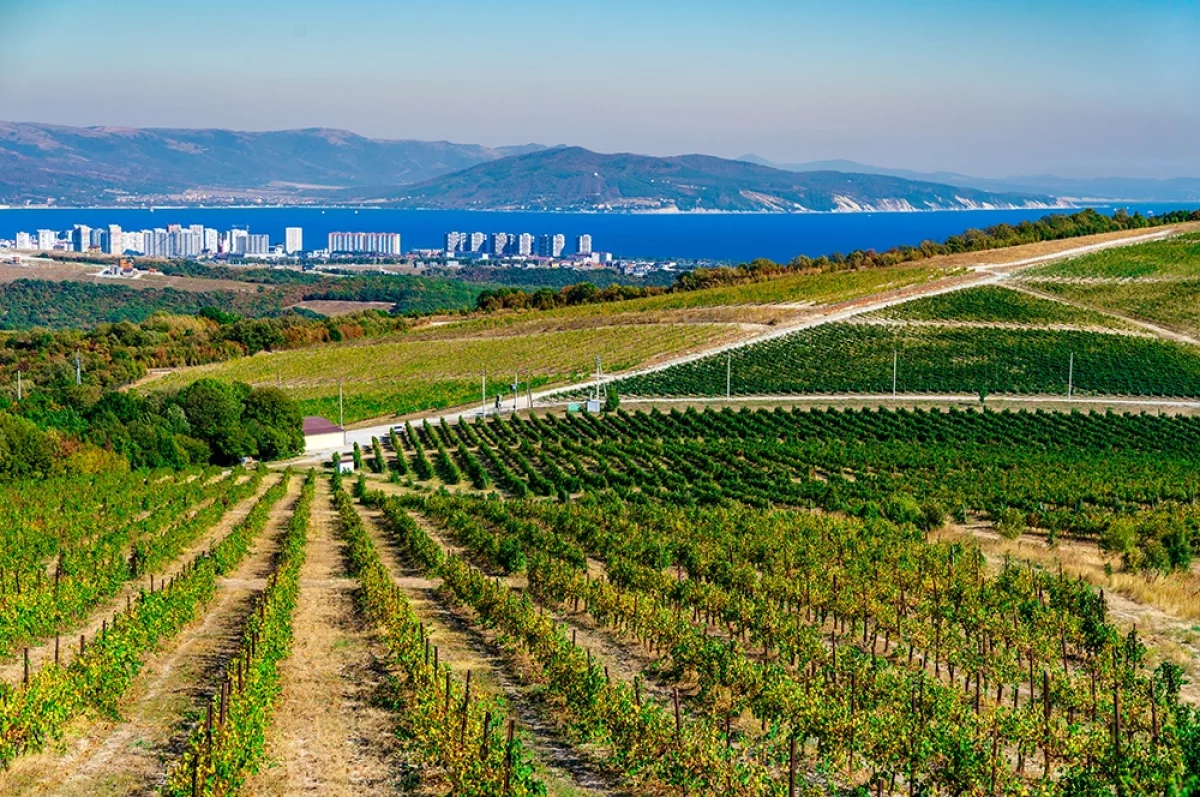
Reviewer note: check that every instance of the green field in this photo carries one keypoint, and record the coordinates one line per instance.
(857, 358)
(1157, 282)
(398, 375)
(996, 305)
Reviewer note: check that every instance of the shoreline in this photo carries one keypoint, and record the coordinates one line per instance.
(660, 212)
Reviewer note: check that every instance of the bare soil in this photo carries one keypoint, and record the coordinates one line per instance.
(131, 756)
(332, 732)
(333, 308)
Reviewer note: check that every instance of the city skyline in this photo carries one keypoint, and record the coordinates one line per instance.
(1106, 89)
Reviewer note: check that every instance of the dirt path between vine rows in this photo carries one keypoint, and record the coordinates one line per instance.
(332, 734)
(131, 756)
(42, 654)
(565, 768)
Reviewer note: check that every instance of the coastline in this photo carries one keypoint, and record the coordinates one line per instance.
(584, 212)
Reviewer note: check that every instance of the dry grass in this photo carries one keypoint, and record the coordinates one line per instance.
(53, 271)
(1164, 609)
(331, 735)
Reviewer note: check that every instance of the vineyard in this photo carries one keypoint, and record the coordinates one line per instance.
(701, 603)
(991, 304)
(874, 359)
(1157, 282)
(397, 376)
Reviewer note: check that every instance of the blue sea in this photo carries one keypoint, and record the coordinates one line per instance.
(712, 237)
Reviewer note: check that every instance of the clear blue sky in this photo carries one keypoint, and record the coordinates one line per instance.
(991, 88)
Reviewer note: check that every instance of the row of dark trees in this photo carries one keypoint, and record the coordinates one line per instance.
(1049, 228)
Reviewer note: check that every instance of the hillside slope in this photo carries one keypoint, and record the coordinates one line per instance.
(573, 178)
(90, 164)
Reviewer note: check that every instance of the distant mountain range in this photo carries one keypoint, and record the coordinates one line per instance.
(109, 165)
(102, 164)
(573, 178)
(1133, 189)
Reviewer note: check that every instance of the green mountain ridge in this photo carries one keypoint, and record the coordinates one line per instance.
(573, 178)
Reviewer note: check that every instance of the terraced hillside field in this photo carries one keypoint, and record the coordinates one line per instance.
(1157, 282)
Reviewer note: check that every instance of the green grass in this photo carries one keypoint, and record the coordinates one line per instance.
(857, 358)
(397, 375)
(993, 304)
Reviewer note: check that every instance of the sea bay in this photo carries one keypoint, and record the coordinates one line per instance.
(731, 237)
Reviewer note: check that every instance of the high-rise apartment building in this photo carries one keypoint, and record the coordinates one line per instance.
(259, 244)
(583, 244)
(551, 245)
(115, 240)
(97, 238)
(524, 244)
(25, 241)
(46, 239)
(374, 243)
(453, 242)
(134, 241)
(237, 241)
(212, 240)
(81, 238)
(475, 242)
(293, 240)
(156, 243)
(499, 244)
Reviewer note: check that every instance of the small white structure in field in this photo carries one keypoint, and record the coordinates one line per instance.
(345, 466)
(322, 435)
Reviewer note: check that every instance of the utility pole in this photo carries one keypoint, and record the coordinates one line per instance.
(18, 385)
(599, 375)
(341, 407)
(483, 401)
(895, 370)
(529, 387)
(1071, 377)
(728, 376)
(78, 371)
(516, 387)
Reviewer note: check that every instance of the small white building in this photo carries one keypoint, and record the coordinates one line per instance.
(321, 434)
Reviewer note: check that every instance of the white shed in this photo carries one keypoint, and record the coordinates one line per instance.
(322, 435)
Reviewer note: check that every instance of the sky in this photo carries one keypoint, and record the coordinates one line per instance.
(988, 88)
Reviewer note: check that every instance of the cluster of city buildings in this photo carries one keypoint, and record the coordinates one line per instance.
(548, 246)
(172, 241)
(198, 241)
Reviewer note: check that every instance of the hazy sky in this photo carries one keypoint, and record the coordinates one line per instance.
(1082, 88)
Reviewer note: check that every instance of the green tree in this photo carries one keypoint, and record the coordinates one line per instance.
(274, 421)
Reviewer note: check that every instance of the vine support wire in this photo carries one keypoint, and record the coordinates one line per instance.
(483, 392)
(1071, 377)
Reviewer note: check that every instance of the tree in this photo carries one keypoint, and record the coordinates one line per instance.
(25, 451)
(612, 401)
(214, 412)
(274, 421)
